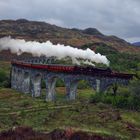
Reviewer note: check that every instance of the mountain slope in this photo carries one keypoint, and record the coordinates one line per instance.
(41, 31)
(136, 44)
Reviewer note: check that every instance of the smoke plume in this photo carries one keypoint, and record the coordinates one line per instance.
(48, 49)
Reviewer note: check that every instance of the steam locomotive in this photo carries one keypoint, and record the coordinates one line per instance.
(92, 70)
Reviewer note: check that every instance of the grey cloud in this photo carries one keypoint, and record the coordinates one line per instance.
(116, 17)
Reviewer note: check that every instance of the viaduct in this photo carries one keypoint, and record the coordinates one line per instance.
(26, 77)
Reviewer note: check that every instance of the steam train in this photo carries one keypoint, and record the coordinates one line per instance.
(87, 70)
(65, 68)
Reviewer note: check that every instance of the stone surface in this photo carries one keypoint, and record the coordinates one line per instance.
(28, 80)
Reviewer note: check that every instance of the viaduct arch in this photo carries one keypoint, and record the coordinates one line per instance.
(26, 78)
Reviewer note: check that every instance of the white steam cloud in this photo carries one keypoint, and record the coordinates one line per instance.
(48, 49)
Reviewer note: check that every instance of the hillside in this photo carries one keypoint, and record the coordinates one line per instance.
(41, 31)
(100, 119)
(92, 115)
(136, 44)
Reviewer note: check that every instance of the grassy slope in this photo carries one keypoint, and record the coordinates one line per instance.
(20, 109)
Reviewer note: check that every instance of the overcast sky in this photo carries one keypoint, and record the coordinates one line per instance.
(111, 17)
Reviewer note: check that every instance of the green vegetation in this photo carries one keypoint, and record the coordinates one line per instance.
(4, 74)
(115, 112)
(122, 62)
(19, 109)
(123, 99)
(5, 66)
(126, 97)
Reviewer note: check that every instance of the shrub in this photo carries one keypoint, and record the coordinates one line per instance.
(120, 100)
(5, 84)
(95, 98)
(59, 83)
(4, 79)
(135, 87)
(83, 84)
(3, 76)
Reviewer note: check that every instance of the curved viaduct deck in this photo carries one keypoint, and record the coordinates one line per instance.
(26, 77)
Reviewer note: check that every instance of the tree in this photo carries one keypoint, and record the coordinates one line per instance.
(115, 88)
